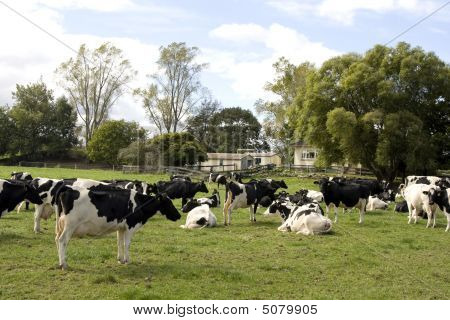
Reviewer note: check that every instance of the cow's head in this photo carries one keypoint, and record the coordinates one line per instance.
(32, 195)
(191, 204)
(280, 206)
(167, 208)
(324, 184)
(201, 187)
(433, 195)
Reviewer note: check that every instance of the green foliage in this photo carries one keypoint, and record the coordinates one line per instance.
(388, 110)
(6, 130)
(175, 149)
(41, 126)
(110, 138)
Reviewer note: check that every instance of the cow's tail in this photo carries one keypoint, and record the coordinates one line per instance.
(57, 200)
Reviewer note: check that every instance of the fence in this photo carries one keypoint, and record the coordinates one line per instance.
(69, 165)
(213, 168)
(332, 169)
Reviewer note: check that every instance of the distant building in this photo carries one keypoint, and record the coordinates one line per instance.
(264, 158)
(304, 154)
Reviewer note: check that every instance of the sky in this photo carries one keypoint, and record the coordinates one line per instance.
(240, 40)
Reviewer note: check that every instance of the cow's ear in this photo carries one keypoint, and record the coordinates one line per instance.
(425, 192)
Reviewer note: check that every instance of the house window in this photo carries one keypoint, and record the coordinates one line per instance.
(309, 154)
(257, 161)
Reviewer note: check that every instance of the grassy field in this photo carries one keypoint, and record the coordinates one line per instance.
(382, 259)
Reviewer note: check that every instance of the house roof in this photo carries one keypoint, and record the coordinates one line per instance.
(263, 154)
(300, 143)
(227, 156)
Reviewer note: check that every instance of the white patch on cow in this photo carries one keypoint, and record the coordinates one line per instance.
(87, 183)
(375, 204)
(315, 195)
(310, 224)
(417, 201)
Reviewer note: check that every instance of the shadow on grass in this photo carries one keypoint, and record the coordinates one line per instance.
(6, 237)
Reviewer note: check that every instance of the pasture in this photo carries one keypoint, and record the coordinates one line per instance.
(382, 259)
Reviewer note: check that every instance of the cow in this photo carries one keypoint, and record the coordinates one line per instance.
(212, 201)
(14, 192)
(181, 189)
(306, 219)
(175, 177)
(401, 206)
(24, 177)
(245, 195)
(442, 199)
(374, 203)
(200, 217)
(347, 195)
(421, 197)
(220, 179)
(236, 176)
(104, 209)
(136, 185)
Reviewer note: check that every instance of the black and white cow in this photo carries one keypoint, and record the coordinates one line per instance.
(422, 180)
(200, 217)
(421, 197)
(136, 185)
(220, 179)
(104, 209)
(442, 199)
(181, 189)
(347, 195)
(14, 192)
(212, 201)
(375, 203)
(24, 177)
(306, 219)
(236, 176)
(245, 195)
(401, 206)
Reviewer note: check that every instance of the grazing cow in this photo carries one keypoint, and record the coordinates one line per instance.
(245, 195)
(401, 207)
(104, 209)
(220, 179)
(24, 177)
(347, 195)
(14, 192)
(307, 219)
(235, 176)
(374, 203)
(136, 185)
(200, 217)
(421, 197)
(181, 189)
(175, 177)
(212, 202)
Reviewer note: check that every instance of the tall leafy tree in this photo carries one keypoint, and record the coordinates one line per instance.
(94, 80)
(176, 88)
(288, 82)
(387, 109)
(6, 131)
(110, 138)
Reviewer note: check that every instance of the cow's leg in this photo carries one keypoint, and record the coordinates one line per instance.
(448, 221)
(27, 205)
(410, 213)
(335, 213)
(20, 206)
(63, 241)
(183, 202)
(127, 237)
(362, 210)
(416, 215)
(37, 217)
(434, 217)
(226, 206)
(254, 212)
(120, 246)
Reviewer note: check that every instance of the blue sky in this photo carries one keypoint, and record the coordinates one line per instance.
(239, 39)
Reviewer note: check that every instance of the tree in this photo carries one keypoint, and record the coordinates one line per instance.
(176, 89)
(41, 126)
(110, 138)
(6, 130)
(387, 109)
(200, 125)
(289, 81)
(175, 149)
(94, 81)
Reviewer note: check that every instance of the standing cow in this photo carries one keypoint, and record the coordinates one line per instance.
(14, 192)
(26, 178)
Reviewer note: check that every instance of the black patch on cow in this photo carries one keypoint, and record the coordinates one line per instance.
(348, 194)
(202, 221)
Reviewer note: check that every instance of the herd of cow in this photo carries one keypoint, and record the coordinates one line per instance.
(90, 207)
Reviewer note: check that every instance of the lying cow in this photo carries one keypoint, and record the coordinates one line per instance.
(200, 217)
(103, 209)
(218, 178)
(374, 203)
(175, 177)
(346, 195)
(245, 195)
(307, 219)
(14, 192)
(421, 197)
(212, 201)
(401, 206)
(181, 189)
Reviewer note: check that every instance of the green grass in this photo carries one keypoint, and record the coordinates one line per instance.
(385, 258)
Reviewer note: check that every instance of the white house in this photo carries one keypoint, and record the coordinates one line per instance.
(243, 159)
(304, 154)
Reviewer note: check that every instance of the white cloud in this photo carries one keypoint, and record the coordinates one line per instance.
(249, 72)
(108, 6)
(344, 11)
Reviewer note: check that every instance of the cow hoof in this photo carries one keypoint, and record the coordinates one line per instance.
(123, 261)
(63, 266)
